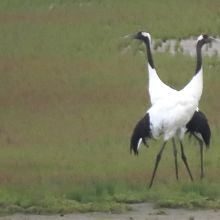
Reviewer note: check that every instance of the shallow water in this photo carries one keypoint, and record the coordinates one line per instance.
(143, 211)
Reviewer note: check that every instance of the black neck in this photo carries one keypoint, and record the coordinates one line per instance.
(149, 55)
(199, 57)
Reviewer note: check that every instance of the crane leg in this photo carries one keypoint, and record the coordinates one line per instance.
(201, 155)
(183, 156)
(158, 157)
(175, 158)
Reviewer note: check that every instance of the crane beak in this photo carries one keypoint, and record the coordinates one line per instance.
(130, 36)
(127, 36)
(215, 40)
(135, 36)
(212, 39)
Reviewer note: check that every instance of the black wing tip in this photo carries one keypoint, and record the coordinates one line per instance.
(133, 149)
(207, 146)
(199, 124)
(207, 136)
(141, 131)
(207, 142)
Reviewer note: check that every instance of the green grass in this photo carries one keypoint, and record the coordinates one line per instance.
(71, 93)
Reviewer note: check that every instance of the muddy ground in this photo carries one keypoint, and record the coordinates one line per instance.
(143, 211)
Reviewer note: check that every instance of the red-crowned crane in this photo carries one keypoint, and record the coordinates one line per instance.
(198, 126)
(169, 115)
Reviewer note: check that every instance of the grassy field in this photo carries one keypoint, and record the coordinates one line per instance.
(70, 95)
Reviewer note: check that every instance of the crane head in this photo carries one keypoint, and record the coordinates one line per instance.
(204, 39)
(142, 36)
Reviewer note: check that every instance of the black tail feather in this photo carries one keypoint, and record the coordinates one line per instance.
(199, 124)
(141, 131)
